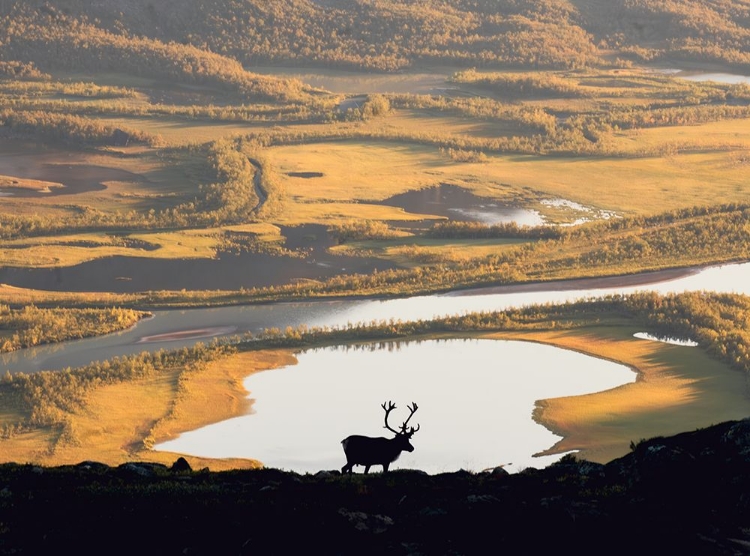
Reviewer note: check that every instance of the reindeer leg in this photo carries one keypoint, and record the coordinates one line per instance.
(385, 467)
(347, 469)
(367, 469)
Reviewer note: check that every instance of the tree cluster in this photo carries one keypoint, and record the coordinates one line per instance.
(30, 326)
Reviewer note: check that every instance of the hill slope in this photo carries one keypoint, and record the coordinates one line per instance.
(383, 35)
(685, 493)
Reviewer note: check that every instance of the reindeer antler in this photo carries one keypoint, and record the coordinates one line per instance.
(391, 407)
(412, 409)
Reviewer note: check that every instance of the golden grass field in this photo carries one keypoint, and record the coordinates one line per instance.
(366, 172)
(72, 249)
(704, 164)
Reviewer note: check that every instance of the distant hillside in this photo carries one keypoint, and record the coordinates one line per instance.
(372, 34)
(668, 31)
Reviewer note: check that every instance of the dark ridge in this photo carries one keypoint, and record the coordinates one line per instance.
(685, 493)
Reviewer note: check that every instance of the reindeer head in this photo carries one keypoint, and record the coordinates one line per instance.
(403, 436)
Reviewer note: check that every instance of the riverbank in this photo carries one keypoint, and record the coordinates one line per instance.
(160, 301)
(678, 387)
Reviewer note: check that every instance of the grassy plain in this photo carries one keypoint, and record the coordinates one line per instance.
(120, 423)
(638, 169)
(72, 249)
(413, 251)
(714, 170)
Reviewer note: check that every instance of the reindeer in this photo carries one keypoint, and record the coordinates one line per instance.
(368, 451)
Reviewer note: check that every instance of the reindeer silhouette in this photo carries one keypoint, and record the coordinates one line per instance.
(369, 451)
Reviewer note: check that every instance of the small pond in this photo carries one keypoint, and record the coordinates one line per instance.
(475, 402)
(456, 203)
(717, 77)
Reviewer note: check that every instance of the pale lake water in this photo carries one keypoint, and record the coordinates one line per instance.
(475, 400)
(717, 77)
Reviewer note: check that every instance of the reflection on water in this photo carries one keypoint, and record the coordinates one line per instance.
(717, 77)
(475, 401)
(446, 386)
(585, 214)
(457, 203)
(675, 341)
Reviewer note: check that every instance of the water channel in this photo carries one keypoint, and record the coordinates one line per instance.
(166, 329)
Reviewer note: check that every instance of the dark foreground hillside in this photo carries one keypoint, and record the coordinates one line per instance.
(687, 493)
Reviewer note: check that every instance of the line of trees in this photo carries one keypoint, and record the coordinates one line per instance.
(719, 323)
(255, 113)
(47, 398)
(72, 129)
(30, 325)
(622, 246)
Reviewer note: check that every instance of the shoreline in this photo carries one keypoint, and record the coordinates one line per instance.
(20, 296)
(598, 282)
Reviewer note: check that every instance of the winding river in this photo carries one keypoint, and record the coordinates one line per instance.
(178, 328)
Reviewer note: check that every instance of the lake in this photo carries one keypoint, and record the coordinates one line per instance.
(475, 400)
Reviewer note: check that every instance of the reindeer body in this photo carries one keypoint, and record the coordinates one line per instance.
(369, 451)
